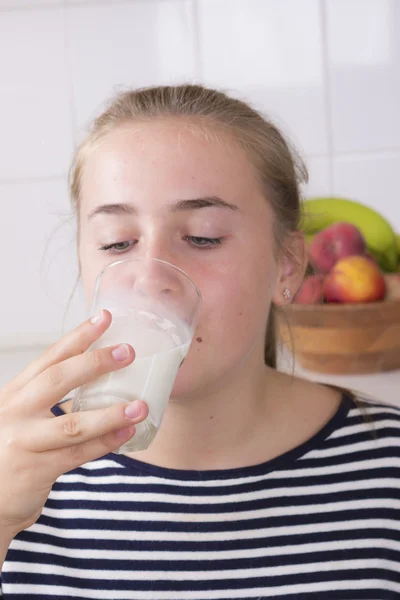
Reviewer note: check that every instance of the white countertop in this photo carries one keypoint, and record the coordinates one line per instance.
(382, 386)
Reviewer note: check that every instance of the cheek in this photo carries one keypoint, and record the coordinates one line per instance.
(92, 261)
(89, 271)
(88, 276)
(235, 302)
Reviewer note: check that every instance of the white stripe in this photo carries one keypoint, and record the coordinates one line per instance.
(131, 479)
(148, 497)
(376, 409)
(358, 428)
(258, 593)
(220, 575)
(284, 511)
(102, 464)
(373, 411)
(353, 447)
(197, 555)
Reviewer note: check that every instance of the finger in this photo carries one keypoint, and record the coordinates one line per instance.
(50, 386)
(81, 427)
(73, 457)
(75, 342)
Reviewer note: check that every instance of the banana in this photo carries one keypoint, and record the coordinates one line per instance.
(318, 213)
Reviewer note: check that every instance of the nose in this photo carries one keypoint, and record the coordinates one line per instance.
(122, 283)
(150, 284)
(157, 278)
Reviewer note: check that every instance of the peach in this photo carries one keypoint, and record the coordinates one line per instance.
(310, 291)
(354, 279)
(334, 243)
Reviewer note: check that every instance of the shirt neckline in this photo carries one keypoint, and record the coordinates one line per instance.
(282, 461)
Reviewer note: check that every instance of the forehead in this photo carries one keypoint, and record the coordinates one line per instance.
(163, 160)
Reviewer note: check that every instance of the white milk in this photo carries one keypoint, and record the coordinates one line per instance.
(161, 345)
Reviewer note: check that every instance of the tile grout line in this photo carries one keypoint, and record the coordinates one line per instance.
(326, 89)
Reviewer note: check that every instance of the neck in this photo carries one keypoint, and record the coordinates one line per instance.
(214, 431)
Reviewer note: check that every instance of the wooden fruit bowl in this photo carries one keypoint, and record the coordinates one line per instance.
(343, 338)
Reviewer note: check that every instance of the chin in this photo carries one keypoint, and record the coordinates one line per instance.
(190, 380)
(199, 377)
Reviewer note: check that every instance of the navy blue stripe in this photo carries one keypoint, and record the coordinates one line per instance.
(210, 584)
(285, 549)
(131, 524)
(242, 488)
(221, 507)
(219, 545)
(210, 566)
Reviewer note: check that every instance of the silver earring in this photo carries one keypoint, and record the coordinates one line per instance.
(287, 294)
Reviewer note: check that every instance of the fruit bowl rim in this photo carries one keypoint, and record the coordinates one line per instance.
(338, 306)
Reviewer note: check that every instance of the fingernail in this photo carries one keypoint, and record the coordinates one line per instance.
(121, 352)
(97, 318)
(132, 411)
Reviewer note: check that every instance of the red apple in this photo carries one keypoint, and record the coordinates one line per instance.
(334, 243)
(354, 279)
(310, 291)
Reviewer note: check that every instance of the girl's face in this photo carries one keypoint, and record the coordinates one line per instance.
(164, 190)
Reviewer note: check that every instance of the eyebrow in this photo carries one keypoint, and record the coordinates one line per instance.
(198, 203)
(182, 205)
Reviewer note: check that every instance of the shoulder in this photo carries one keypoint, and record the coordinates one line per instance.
(376, 419)
(375, 410)
(363, 439)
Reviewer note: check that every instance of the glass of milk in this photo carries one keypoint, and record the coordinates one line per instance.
(154, 307)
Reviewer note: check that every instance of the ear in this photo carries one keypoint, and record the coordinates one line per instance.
(292, 268)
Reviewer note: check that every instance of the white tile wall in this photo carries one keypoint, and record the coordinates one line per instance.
(271, 54)
(364, 68)
(35, 118)
(127, 44)
(319, 173)
(327, 70)
(13, 361)
(374, 178)
(38, 268)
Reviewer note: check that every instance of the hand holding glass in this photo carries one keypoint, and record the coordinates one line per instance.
(154, 306)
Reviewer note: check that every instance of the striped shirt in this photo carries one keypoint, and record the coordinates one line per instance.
(320, 521)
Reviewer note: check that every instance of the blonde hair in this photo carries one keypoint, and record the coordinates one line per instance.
(278, 167)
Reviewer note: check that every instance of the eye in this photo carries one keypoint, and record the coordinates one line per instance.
(203, 242)
(118, 247)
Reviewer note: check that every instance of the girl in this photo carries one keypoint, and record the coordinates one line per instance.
(258, 484)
